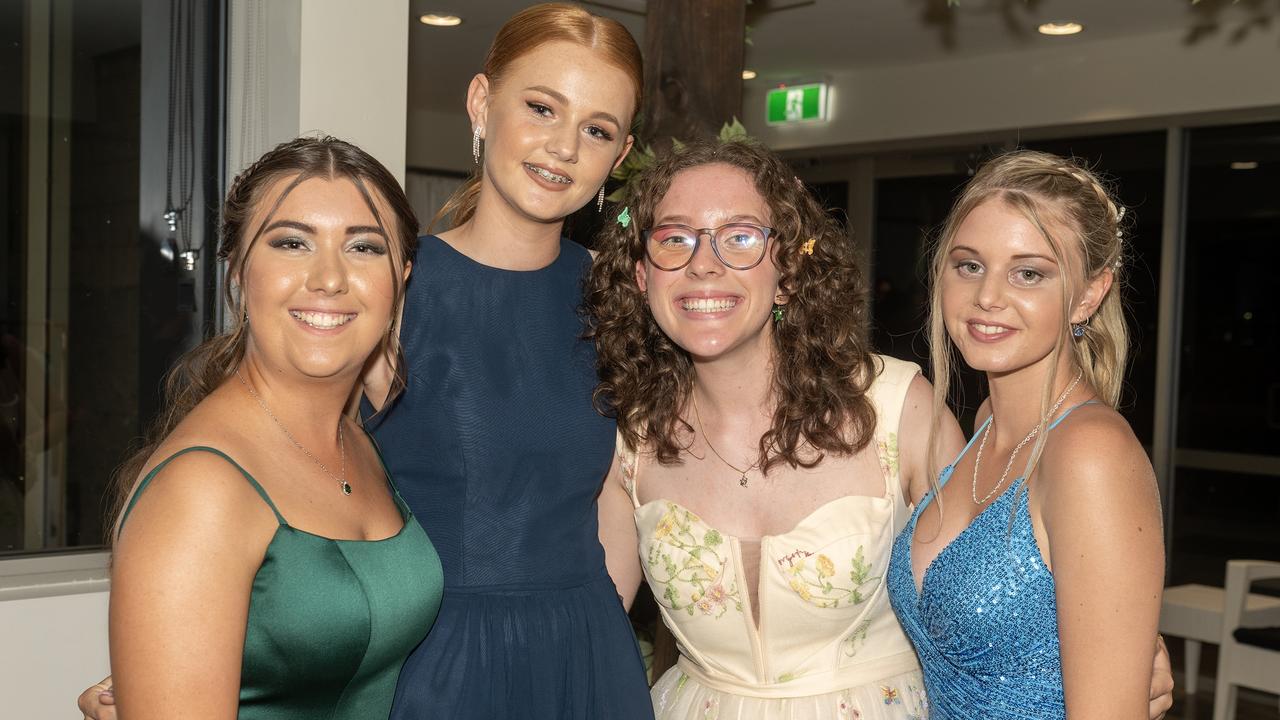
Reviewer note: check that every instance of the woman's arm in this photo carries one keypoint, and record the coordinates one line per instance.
(618, 535)
(913, 440)
(1101, 515)
(181, 577)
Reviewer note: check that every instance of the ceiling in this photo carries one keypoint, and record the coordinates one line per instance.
(799, 38)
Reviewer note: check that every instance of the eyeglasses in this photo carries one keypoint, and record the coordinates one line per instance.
(740, 246)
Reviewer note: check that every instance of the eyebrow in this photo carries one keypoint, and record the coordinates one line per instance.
(310, 229)
(560, 98)
(1021, 256)
(686, 220)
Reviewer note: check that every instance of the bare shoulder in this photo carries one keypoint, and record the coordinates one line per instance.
(1092, 459)
(196, 485)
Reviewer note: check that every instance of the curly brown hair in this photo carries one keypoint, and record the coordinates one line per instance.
(820, 389)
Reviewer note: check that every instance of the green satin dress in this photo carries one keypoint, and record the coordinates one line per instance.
(331, 621)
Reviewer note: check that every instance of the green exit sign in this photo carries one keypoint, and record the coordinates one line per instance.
(792, 104)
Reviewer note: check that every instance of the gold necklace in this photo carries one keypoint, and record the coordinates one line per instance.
(342, 446)
(742, 481)
(1034, 431)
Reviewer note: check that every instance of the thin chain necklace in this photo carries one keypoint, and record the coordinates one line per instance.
(342, 446)
(742, 481)
(1034, 431)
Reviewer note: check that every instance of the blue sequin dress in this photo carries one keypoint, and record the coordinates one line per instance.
(985, 621)
(496, 448)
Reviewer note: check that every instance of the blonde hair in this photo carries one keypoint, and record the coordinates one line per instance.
(525, 32)
(1047, 190)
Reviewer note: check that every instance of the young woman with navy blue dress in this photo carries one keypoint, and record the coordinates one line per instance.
(1029, 580)
(494, 442)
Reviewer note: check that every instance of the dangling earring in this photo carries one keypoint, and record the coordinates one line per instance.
(600, 200)
(1077, 329)
(475, 145)
(777, 314)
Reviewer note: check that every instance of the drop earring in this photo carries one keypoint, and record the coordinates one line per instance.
(475, 145)
(600, 200)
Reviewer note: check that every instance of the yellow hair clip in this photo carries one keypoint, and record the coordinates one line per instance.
(807, 248)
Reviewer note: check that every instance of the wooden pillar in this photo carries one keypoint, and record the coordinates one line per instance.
(692, 67)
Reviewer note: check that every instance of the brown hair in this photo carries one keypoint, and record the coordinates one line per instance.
(201, 370)
(1047, 190)
(820, 387)
(528, 30)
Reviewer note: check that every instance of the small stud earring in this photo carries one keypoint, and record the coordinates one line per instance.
(475, 145)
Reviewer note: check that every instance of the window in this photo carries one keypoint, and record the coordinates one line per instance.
(100, 295)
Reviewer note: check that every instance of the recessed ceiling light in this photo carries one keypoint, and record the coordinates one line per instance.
(438, 20)
(1245, 165)
(1067, 28)
(748, 74)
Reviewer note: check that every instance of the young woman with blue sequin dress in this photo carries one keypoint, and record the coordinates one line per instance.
(1030, 579)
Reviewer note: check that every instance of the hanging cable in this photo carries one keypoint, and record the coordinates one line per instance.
(180, 140)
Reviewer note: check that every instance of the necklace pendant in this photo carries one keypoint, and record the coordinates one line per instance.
(346, 488)
(742, 481)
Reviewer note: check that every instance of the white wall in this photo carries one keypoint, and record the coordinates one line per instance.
(1075, 82)
(52, 649)
(338, 67)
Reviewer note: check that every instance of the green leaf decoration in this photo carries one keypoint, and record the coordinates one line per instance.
(712, 538)
(733, 131)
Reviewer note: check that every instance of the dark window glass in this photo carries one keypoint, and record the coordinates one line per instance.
(95, 299)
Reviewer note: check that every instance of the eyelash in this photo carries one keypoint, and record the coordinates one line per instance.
(293, 243)
(288, 243)
(594, 131)
(368, 247)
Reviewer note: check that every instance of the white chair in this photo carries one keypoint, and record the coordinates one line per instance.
(1243, 664)
(1194, 612)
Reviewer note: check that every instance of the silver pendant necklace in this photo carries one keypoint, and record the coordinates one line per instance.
(742, 481)
(1034, 431)
(342, 445)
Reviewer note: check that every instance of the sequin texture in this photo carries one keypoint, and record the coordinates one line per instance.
(985, 622)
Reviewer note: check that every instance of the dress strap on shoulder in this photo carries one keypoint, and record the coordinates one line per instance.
(1071, 409)
(628, 462)
(888, 395)
(976, 433)
(888, 391)
(196, 448)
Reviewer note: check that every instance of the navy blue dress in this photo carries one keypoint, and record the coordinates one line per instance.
(498, 452)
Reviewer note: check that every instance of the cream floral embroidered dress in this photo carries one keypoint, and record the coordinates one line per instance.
(827, 644)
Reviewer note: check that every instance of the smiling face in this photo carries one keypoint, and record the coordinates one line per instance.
(706, 308)
(554, 127)
(317, 283)
(1002, 289)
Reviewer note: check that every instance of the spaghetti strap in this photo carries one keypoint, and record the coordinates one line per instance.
(1064, 415)
(947, 470)
(196, 448)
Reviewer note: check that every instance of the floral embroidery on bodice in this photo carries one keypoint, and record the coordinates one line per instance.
(821, 618)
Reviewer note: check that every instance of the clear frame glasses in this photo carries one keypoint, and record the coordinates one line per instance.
(740, 246)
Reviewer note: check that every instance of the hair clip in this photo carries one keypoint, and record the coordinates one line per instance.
(807, 248)
(624, 217)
